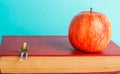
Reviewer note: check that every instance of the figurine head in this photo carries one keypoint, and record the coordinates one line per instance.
(24, 44)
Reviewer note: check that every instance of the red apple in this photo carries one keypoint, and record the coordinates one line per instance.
(90, 31)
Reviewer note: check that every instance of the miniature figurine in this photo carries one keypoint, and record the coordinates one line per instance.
(24, 51)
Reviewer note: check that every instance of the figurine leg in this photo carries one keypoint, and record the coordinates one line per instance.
(26, 55)
(21, 56)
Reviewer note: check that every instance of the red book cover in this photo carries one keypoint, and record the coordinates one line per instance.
(49, 46)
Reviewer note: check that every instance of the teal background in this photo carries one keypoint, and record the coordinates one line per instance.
(52, 17)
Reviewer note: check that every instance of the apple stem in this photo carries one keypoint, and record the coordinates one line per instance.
(91, 10)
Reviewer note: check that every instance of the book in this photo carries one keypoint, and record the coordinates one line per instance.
(54, 54)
